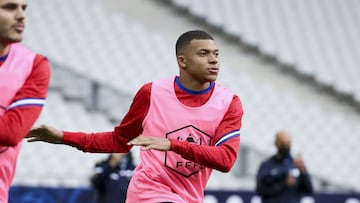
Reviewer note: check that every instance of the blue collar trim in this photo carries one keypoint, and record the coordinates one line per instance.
(178, 83)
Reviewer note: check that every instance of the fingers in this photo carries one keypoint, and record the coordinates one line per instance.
(33, 136)
(45, 133)
(141, 141)
(36, 133)
(138, 141)
(148, 143)
(34, 140)
(33, 133)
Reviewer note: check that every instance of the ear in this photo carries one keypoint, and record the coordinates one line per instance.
(181, 61)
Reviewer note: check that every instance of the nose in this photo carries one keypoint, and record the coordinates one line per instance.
(20, 14)
(213, 58)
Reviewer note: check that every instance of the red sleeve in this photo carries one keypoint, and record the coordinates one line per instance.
(232, 119)
(16, 122)
(116, 141)
(220, 157)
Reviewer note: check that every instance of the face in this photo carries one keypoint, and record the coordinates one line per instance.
(283, 143)
(199, 61)
(12, 20)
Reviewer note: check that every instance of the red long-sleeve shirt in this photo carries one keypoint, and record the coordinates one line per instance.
(16, 122)
(220, 157)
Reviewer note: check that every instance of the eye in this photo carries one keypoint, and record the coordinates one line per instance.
(202, 53)
(13, 6)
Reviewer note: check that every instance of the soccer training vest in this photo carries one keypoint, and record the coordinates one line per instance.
(13, 73)
(166, 176)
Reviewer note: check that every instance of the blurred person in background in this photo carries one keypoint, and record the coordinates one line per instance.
(111, 178)
(24, 80)
(283, 178)
(185, 125)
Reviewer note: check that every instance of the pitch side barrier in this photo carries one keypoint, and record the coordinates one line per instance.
(26, 194)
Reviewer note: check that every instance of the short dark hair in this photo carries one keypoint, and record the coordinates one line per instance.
(186, 38)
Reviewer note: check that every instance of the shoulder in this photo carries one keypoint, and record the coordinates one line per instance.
(224, 89)
(235, 107)
(42, 61)
(143, 94)
(38, 58)
(266, 161)
(164, 83)
(144, 90)
(236, 101)
(270, 160)
(37, 83)
(41, 69)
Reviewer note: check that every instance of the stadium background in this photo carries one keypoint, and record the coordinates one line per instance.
(295, 65)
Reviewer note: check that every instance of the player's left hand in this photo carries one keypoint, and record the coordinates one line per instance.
(148, 143)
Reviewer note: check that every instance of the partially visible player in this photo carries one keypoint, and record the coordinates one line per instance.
(188, 126)
(24, 79)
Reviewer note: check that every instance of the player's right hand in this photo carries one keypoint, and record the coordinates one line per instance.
(45, 133)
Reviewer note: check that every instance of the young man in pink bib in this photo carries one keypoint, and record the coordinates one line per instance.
(186, 125)
(24, 80)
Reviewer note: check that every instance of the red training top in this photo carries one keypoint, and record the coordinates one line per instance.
(16, 122)
(221, 157)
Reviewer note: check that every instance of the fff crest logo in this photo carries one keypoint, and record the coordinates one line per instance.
(174, 161)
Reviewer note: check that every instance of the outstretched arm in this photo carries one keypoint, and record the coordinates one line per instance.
(101, 142)
(106, 142)
(221, 157)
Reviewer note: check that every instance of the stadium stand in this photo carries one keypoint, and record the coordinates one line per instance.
(96, 55)
(319, 39)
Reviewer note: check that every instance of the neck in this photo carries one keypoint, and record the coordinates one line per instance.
(4, 49)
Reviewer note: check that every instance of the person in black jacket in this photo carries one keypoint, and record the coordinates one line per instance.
(111, 178)
(283, 178)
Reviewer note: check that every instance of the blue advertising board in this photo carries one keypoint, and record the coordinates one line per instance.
(24, 194)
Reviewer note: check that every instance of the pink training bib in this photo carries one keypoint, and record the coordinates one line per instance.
(13, 73)
(166, 176)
